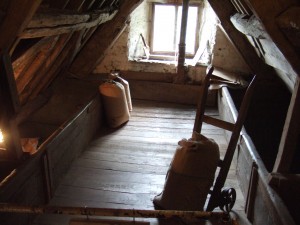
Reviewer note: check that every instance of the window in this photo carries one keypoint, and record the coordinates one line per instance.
(158, 25)
(166, 29)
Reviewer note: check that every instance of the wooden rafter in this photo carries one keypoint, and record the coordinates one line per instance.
(241, 6)
(55, 23)
(88, 4)
(41, 56)
(268, 17)
(58, 4)
(46, 71)
(48, 63)
(249, 26)
(14, 23)
(75, 4)
(21, 63)
(253, 28)
(101, 40)
(224, 10)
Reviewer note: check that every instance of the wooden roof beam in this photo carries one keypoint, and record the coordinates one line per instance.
(37, 62)
(59, 55)
(268, 17)
(224, 10)
(249, 25)
(14, 23)
(75, 4)
(104, 37)
(252, 26)
(22, 62)
(49, 23)
(49, 69)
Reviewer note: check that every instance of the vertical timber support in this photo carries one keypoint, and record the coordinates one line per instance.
(181, 47)
(9, 103)
(290, 134)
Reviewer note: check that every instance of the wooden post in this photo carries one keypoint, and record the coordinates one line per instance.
(9, 103)
(290, 135)
(181, 47)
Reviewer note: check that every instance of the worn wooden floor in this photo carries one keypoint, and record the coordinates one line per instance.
(126, 167)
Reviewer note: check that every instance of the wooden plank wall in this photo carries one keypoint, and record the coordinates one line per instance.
(46, 37)
(264, 205)
(36, 178)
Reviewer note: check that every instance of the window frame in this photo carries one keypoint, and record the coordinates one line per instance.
(165, 55)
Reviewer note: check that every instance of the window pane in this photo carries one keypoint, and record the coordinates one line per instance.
(164, 28)
(190, 37)
(178, 28)
(191, 30)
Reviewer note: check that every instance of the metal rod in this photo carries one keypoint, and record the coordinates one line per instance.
(136, 213)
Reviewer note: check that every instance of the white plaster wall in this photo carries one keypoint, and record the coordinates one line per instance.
(120, 56)
(226, 56)
(116, 58)
(138, 25)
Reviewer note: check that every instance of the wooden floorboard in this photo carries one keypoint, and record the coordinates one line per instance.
(126, 167)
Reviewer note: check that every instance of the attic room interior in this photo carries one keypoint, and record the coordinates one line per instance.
(149, 112)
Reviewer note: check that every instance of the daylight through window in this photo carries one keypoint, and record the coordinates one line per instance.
(166, 29)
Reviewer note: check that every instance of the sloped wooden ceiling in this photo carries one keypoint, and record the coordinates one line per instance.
(266, 32)
(45, 37)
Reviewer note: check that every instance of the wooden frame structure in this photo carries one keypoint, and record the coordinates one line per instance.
(48, 37)
(10, 106)
(224, 11)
